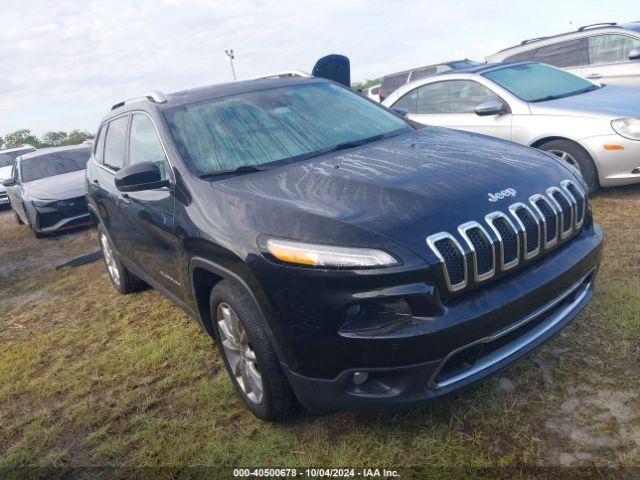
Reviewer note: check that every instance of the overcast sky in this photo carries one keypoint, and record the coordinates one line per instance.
(63, 63)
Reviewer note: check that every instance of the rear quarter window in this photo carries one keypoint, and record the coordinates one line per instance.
(115, 143)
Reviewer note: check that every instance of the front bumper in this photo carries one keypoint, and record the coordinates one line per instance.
(58, 217)
(414, 385)
(615, 167)
(418, 359)
(4, 199)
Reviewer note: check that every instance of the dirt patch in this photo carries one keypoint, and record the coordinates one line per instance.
(592, 420)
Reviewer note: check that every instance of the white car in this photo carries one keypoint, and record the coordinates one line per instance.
(373, 93)
(7, 159)
(605, 52)
(595, 128)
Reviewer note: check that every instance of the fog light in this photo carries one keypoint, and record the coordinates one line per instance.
(636, 171)
(360, 377)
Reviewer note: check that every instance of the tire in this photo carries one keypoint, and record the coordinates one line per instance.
(576, 156)
(18, 219)
(122, 279)
(247, 351)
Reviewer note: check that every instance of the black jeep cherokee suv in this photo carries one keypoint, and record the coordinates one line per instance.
(339, 255)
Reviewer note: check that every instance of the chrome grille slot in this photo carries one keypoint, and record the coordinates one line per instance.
(482, 250)
(530, 227)
(508, 242)
(512, 236)
(580, 202)
(564, 205)
(549, 217)
(454, 262)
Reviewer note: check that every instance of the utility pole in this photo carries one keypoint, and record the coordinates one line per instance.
(229, 54)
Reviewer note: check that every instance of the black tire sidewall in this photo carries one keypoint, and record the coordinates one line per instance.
(587, 166)
(277, 400)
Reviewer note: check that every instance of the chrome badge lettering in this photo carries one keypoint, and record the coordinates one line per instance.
(507, 192)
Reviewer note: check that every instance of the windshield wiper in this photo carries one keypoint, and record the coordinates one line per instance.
(231, 171)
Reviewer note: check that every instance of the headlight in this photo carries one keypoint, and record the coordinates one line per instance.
(41, 203)
(627, 127)
(328, 256)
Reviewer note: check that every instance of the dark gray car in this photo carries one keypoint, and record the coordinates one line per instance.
(47, 189)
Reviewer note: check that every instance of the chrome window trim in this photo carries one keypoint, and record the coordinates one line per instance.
(431, 241)
(536, 198)
(490, 219)
(513, 209)
(563, 234)
(462, 230)
(577, 225)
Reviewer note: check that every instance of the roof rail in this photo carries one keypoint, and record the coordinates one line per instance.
(602, 24)
(285, 73)
(153, 96)
(524, 42)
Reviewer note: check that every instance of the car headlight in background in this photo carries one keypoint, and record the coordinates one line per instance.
(327, 256)
(627, 127)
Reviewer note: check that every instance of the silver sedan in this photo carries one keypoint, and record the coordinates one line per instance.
(595, 128)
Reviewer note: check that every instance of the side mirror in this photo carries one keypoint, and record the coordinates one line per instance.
(634, 54)
(139, 176)
(490, 107)
(403, 112)
(9, 182)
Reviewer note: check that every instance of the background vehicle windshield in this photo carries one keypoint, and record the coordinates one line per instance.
(54, 164)
(535, 82)
(7, 159)
(265, 126)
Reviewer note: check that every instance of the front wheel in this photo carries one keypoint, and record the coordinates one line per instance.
(248, 354)
(577, 157)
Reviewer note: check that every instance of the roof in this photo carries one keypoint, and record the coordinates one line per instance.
(45, 151)
(184, 97)
(449, 63)
(15, 149)
(597, 26)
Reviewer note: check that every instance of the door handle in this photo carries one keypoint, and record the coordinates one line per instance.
(595, 76)
(125, 198)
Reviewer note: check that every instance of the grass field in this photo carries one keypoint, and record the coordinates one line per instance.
(92, 378)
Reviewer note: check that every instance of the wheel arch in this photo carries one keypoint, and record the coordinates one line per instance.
(204, 274)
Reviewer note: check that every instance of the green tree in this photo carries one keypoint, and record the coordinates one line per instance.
(77, 136)
(54, 139)
(21, 137)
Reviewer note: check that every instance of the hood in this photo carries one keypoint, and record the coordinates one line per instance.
(610, 101)
(403, 188)
(58, 187)
(5, 172)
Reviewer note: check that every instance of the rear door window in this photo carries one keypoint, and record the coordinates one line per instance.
(611, 48)
(115, 143)
(566, 54)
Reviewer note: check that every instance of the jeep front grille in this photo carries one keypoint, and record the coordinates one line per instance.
(524, 233)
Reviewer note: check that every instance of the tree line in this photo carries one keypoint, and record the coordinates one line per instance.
(49, 139)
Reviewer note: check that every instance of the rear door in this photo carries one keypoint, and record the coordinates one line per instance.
(109, 157)
(452, 103)
(609, 59)
(148, 215)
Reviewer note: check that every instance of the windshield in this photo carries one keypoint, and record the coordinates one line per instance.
(54, 164)
(280, 124)
(7, 158)
(535, 82)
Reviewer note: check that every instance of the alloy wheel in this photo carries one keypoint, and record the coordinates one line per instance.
(240, 356)
(109, 259)
(567, 158)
